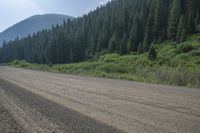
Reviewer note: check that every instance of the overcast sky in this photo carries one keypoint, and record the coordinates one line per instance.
(13, 11)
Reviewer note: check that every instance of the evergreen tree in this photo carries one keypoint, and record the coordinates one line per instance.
(197, 22)
(147, 38)
(157, 19)
(180, 29)
(133, 41)
(112, 43)
(197, 19)
(174, 16)
(140, 48)
(191, 16)
(122, 43)
(183, 35)
(71, 55)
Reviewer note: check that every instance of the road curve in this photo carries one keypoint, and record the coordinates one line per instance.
(50, 102)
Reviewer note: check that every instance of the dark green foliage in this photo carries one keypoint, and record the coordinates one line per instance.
(133, 41)
(50, 64)
(181, 33)
(157, 19)
(152, 54)
(174, 16)
(140, 49)
(191, 6)
(198, 28)
(121, 26)
(197, 23)
(113, 43)
(71, 55)
(197, 20)
(184, 48)
(148, 35)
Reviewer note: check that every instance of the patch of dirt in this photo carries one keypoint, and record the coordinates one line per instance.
(7, 123)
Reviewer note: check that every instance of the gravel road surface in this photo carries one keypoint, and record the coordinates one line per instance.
(7, 123)
(49, 102)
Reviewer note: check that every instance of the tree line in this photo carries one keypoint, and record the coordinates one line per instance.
(121, 26)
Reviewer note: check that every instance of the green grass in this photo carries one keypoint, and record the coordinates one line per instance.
(178, 65)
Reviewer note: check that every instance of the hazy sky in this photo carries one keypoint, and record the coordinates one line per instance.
(13, 11)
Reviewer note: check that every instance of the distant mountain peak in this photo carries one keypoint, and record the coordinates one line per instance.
(32, 25)
(50, 15)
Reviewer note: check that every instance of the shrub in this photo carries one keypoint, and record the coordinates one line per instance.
(178, 76)
(152, 53)
(109, 58)
(15, 62)
(185, 48)
(164, 59)
(24, 65)
(50, 64)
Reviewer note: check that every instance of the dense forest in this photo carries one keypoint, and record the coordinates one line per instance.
(121, 26)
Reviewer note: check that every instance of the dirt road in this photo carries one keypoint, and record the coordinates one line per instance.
(49, 102)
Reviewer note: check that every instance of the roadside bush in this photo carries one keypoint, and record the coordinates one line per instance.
(180, 76)
(152, 54)
(112, 68)
(15, 62)
(24, 65)
(50, 64)
(185, 48)
(109, 58)
(164, 60)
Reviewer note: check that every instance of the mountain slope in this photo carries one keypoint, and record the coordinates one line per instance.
(32, 25)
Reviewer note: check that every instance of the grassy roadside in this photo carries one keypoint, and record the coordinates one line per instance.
(178, 65)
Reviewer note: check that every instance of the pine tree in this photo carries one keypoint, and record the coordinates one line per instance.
(71, 55)
(142, 24)
(191, 18)
(174, 16)
(157, 19)
(112, 43)
(180, 29)
(183, 36)
(133, 41)
(197, 22)
(99, 44)
(197, 19)
(140, 48)
(122, 47)
(147, 38)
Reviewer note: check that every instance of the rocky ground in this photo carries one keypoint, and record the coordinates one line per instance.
(7, 123)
